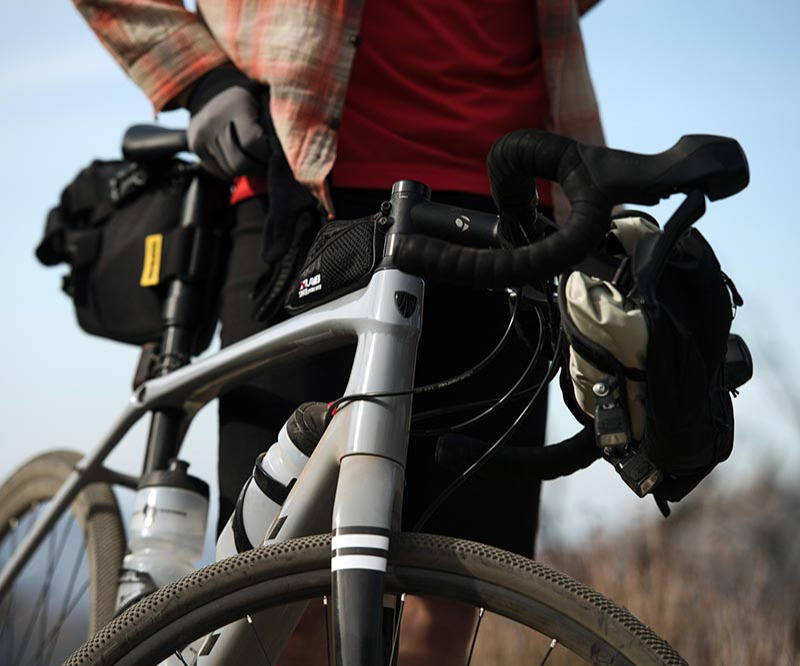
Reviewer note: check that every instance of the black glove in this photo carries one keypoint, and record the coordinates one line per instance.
(228, 129)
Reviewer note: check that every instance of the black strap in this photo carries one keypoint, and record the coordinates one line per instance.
(273, 489)
(240, 539)
(176, 252)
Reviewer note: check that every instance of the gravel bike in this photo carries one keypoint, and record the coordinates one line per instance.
(334, 538)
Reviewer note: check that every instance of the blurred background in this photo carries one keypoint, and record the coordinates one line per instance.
(661, 69)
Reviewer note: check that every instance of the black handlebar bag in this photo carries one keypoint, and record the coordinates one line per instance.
(118, 228)
(651, 363)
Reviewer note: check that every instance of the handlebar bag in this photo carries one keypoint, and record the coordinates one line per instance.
(646, 363)
(117, 227)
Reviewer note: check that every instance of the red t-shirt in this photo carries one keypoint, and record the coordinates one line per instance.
(433, 85)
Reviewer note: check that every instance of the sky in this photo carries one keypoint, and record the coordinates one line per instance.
(661, 69)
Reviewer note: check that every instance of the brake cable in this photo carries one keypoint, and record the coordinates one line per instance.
(505, 437)
(499, 402)
(353, 397)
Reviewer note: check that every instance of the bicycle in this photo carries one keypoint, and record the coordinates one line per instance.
(348, 491)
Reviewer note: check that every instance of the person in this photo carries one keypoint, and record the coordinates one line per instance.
(349, 97)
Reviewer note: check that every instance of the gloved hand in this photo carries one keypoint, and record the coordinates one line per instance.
(227, 127)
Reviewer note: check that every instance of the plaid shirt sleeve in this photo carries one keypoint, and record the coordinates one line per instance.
(573, 105)
(162, 46)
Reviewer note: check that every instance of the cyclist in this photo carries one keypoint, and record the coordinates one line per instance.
(360, 95)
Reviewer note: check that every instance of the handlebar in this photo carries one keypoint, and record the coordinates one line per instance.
(148, 143)
(594, 180)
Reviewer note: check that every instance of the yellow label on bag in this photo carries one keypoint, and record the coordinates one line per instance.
(151, 270)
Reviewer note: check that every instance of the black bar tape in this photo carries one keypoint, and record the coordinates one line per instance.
(594, 179)
(458, 452)
(514, 161)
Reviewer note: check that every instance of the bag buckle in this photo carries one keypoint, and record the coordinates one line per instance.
(611, 428)
(636, 470)
(126, 183)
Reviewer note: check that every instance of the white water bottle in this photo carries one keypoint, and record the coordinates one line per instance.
(167, 532)
(273, 474)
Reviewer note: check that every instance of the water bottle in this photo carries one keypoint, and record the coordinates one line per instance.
(167, 532)
(272, 478)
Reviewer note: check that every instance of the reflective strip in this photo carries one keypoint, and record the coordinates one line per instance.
(340, 562)
(360, 541)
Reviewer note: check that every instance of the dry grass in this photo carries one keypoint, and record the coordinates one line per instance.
(719, 580)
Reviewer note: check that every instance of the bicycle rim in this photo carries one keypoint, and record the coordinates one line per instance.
(66, 591)
(546, 604)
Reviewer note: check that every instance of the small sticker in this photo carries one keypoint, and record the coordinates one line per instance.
(151, 270)
(310, 285)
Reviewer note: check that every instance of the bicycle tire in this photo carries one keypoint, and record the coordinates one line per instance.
(96, 513)
(525, 591)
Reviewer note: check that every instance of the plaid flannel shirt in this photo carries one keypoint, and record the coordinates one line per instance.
(303, 50)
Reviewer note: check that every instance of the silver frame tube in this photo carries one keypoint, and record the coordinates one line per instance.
(369, 438)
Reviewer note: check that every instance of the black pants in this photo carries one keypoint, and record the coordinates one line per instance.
(460, 327)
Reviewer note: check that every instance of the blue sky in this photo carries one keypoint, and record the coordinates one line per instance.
(661, 69)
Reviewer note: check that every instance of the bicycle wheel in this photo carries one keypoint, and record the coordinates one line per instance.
(524, 591)
(67, 590)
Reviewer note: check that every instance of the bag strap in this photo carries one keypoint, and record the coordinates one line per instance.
(651, 254)
(181, 253)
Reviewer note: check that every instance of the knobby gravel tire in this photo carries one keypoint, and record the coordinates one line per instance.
(525, 591)
(96, 512)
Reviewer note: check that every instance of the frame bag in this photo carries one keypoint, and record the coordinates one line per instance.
(651, 363)
(342, 258)
(118, 228)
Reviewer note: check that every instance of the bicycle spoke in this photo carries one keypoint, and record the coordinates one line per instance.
(54, 633)
(40, 602)
(47, 582)
(396, 636)
(327, 630)
(68, 606)
(475, 636)
(55, 548)
(549, 652)
(258, 640)
(193, 648)
(9, 642)
(180, 656)
(51, 547)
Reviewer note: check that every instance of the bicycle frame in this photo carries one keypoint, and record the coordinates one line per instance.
(353, 483)
(364, 446)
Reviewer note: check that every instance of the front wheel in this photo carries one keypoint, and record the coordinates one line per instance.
(547, 604)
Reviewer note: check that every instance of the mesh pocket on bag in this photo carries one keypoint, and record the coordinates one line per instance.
(342, 259)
